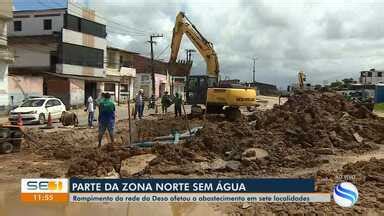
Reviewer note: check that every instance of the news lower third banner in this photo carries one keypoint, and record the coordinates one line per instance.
(171, 190)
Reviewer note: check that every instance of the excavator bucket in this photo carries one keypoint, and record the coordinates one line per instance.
(180, 68)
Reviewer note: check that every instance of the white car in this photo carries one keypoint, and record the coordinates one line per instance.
(36, 110)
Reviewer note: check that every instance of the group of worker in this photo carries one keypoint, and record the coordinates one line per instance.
(167, 101)
(107, 110)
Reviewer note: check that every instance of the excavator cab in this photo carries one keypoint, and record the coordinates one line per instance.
(196, 88)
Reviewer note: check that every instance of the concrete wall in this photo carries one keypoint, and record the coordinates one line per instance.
(161, 84)
(5, 57)
(32, 55)
(58, 87)
(6, 9)
(4, 102)
(85, 13)
(80, 70)
(20, 85)
(33, 25)
(141, 82)
(3, 31)
(82, 39)
(76, 88)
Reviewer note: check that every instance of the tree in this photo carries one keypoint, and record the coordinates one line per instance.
(336, 85)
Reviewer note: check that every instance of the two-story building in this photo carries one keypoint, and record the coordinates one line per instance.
(371, 77)
(120, 66)
(59, 52)
(5, 56)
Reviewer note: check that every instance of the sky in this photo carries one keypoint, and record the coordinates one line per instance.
(329, 40)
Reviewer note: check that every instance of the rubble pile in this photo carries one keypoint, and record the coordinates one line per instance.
(296, 134)
(95, 162)
(323, 120)
(59, 144)
(65, 143)
(101, 162)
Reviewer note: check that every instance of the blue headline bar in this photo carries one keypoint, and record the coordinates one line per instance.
(192, 185)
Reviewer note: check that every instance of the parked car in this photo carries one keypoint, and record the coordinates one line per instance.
(36, 110)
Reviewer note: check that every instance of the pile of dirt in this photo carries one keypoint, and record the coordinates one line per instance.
(296, 134)
(325, 120)
(65, 143)
(59, 143)
(96, 162)
(147, 129)
(100, 162)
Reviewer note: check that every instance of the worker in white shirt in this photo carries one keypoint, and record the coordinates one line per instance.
(91, 111)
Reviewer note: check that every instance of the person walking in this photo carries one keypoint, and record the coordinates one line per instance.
(106, 117)
(178, 102)
(90, 111)
(139, 104)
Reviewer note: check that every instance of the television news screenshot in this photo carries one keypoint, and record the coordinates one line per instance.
(191, 107)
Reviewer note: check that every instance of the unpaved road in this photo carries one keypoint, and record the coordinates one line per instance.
(13, 167)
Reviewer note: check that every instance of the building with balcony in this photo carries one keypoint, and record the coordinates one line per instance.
(6, 56)
(59, 52)
(120, 67)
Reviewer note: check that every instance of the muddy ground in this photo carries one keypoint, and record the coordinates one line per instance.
(312, 135)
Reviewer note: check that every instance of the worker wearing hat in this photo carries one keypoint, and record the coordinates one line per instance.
(139, 104)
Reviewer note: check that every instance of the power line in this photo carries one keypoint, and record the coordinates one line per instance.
(119, 24)
(118, 27)
(129, 30)
(161, 53)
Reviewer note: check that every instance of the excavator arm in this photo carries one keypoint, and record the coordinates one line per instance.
(205, 48)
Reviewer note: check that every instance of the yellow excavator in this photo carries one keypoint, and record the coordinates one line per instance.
(206, 89)
(301, 79)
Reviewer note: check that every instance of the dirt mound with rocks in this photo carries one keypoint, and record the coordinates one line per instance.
(65, 143)
(147, 129)
(59, 143)
(324, 120)
(296, 134)
(100, 162)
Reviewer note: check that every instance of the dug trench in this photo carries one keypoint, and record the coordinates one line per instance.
(311, 135)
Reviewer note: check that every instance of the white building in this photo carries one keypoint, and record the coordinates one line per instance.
(371, 77)
(5, 56)
(120, 66)
(59, 52)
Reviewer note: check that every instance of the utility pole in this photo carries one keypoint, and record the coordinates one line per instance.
(254, 70)
(189, 54)
(151, 41)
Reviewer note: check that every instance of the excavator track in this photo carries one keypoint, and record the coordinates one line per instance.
(232, 113)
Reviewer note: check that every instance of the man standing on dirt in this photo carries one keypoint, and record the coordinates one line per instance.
(165, 102)
(178, 102)
(139, 104)
(90, 111)
(106, 117)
